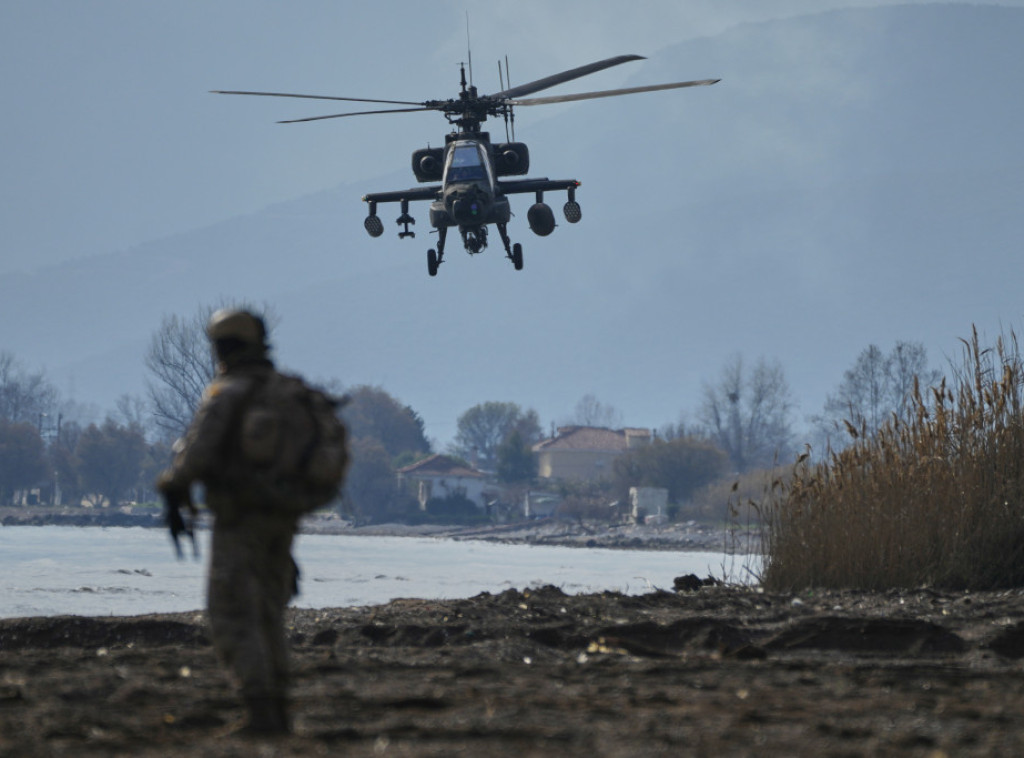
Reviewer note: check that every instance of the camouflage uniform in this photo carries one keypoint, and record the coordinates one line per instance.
(252, 573)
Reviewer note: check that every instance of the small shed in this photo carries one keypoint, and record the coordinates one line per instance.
(648, 505)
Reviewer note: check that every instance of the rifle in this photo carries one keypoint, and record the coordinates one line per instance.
(174, 500)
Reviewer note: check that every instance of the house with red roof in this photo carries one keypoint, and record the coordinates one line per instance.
(441, 476)
(585, 453)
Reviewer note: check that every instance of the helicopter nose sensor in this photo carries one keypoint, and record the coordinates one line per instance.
(466, 209)
(469, 207)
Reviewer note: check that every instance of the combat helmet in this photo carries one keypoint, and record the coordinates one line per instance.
(233, 323)
(237, 333)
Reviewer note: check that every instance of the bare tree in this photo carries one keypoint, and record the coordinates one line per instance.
(908, 362)
(590, 411)
(875, 388)
(25, 397)
(864, 392)
(132, 411)
(747, 413)
(181, 364)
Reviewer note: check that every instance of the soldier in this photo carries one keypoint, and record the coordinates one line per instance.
(252, 573)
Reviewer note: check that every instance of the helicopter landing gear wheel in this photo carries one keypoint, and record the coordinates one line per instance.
(517, 256)
(432, 262)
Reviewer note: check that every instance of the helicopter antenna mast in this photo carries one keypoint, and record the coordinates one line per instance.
(511, 113)
(501, 82)
(469, 51)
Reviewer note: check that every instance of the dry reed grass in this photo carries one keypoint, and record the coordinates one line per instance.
(933, 499)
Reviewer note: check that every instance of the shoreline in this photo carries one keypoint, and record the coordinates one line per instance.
(682, 537)
(686, 536)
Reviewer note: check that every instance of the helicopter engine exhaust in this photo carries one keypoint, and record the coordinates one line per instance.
(512, 158)
(430, 165)
(541, 219)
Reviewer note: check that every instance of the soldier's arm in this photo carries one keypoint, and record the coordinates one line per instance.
(199, 453)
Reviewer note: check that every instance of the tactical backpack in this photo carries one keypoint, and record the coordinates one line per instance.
(292, 443)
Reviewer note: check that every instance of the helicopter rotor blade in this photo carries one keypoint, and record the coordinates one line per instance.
(356, 113)
(610, 93)
(565, 76)
(312, 97)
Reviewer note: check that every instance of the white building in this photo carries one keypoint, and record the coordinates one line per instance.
(440, 477)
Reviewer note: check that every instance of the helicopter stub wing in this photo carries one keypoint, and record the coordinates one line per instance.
(536, 185)
(418, 193)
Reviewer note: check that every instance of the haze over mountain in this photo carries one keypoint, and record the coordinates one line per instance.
(855, 178)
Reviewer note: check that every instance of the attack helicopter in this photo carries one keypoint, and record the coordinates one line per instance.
(468, 185)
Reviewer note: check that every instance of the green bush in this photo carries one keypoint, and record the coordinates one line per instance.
(455, 510)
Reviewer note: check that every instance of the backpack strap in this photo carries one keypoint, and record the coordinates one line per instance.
(232, 443)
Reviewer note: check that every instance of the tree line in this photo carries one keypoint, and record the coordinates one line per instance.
(49, 454)
(744, 421)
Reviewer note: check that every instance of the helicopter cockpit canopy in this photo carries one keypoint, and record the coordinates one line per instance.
(466, 163)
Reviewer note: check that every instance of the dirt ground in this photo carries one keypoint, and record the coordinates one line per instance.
(707, 670)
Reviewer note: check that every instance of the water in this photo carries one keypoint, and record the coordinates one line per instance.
(91, 571)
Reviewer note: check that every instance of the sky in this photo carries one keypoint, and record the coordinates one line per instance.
(111, 138)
